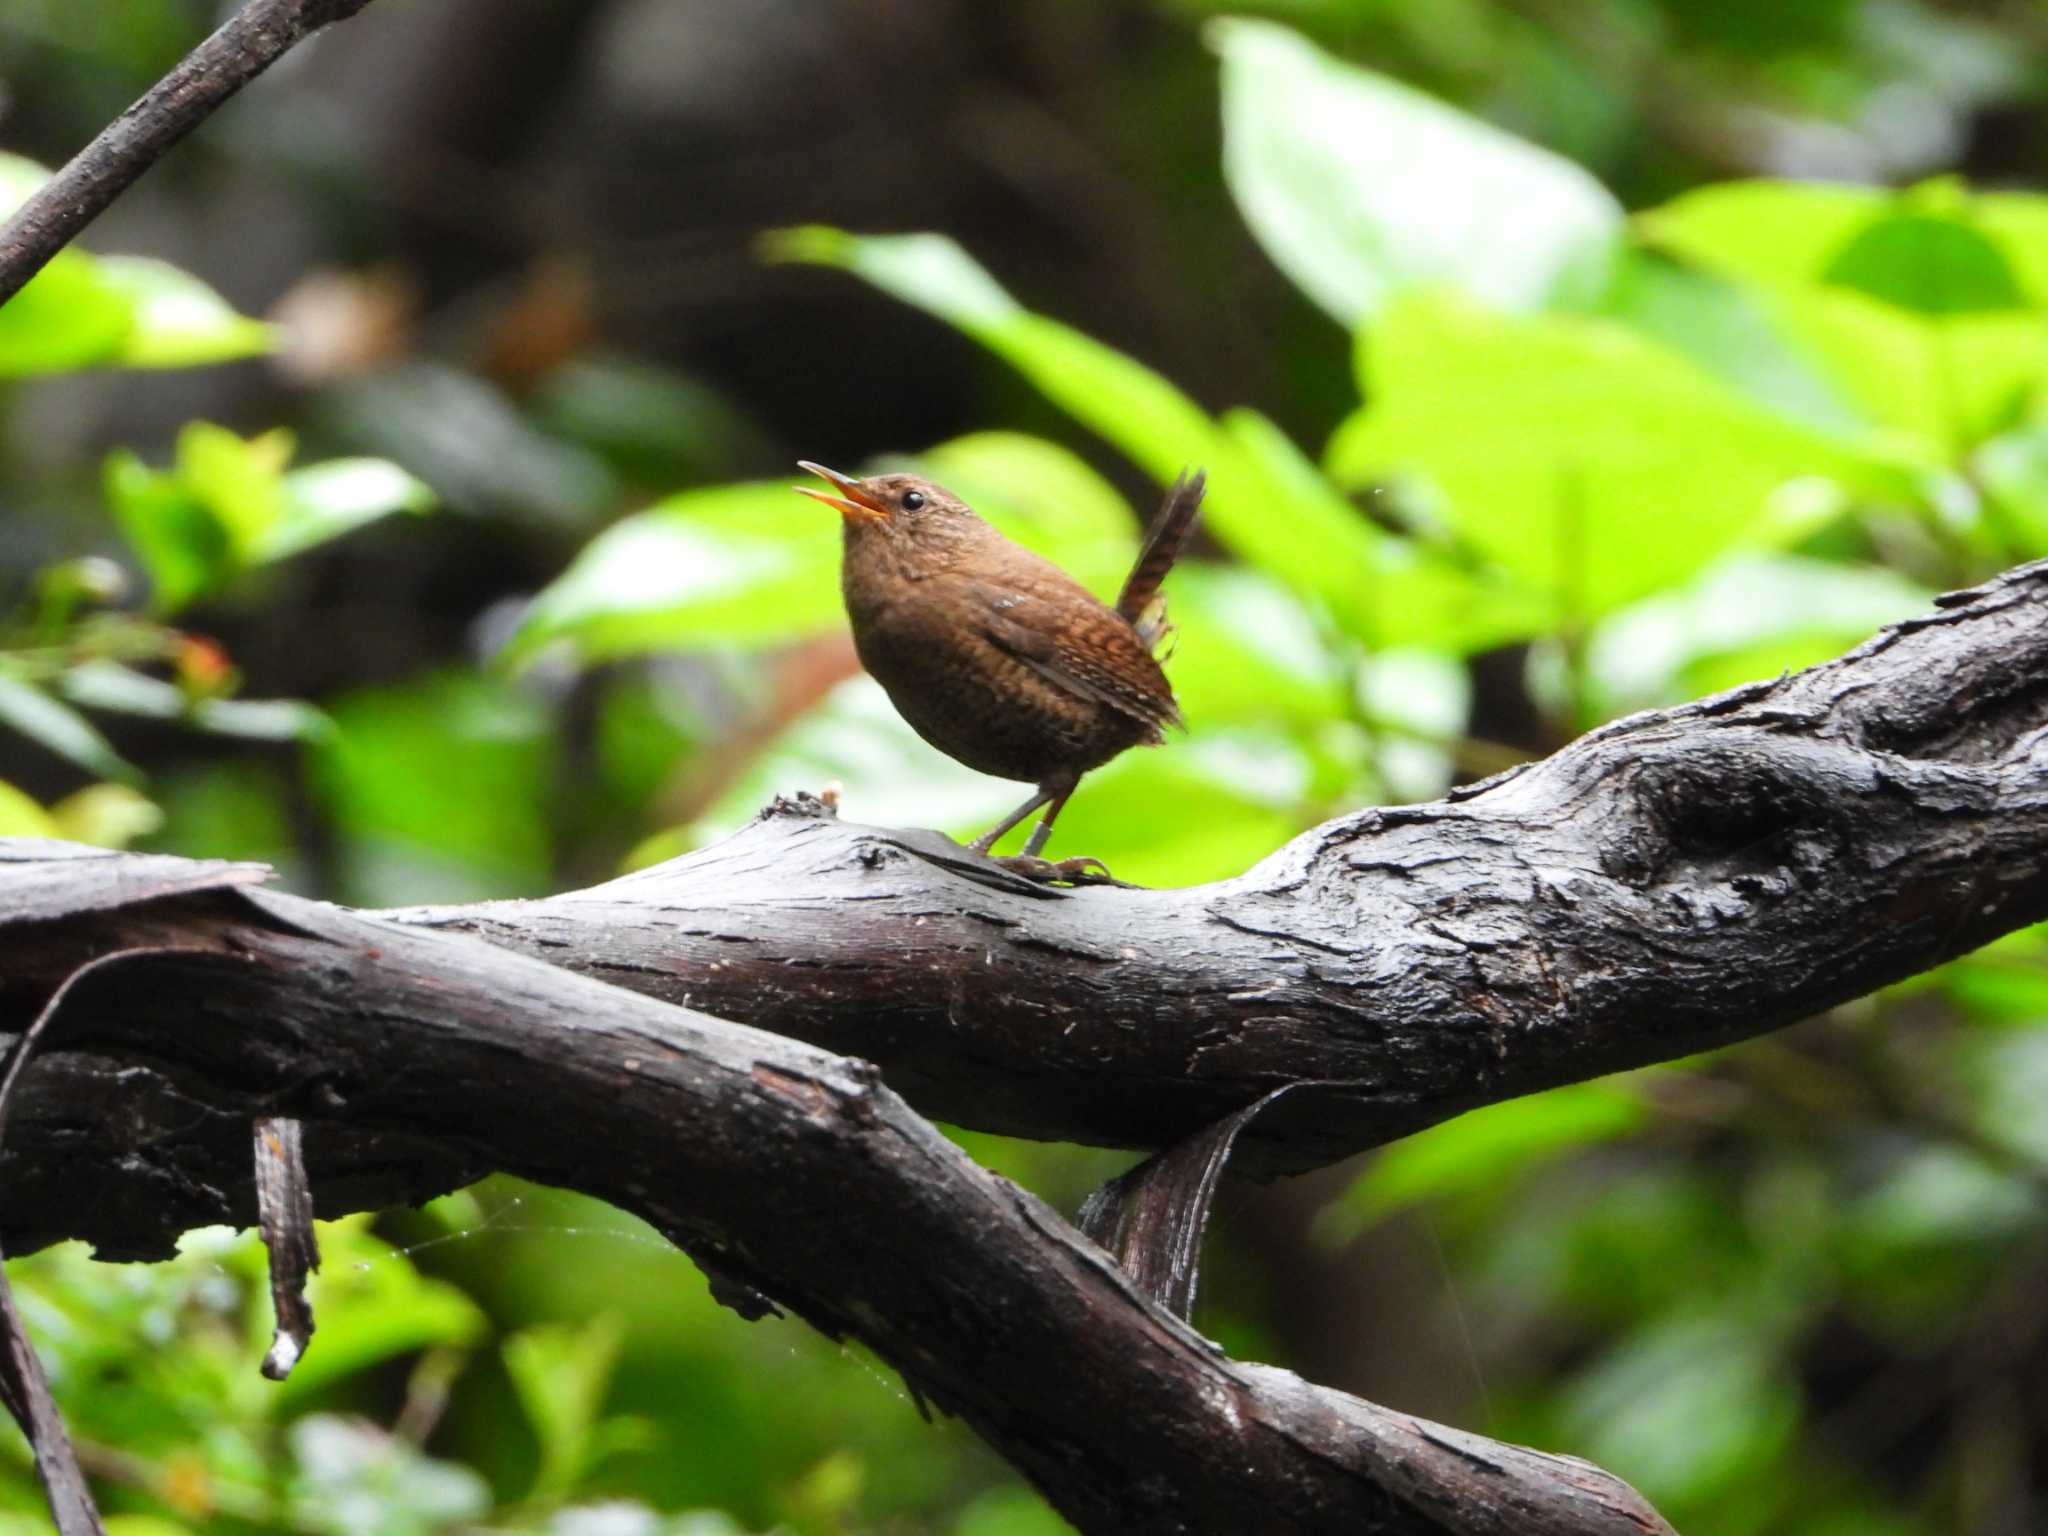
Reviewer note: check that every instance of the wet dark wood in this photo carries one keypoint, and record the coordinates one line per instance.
(1673, 881)
(791, 1174)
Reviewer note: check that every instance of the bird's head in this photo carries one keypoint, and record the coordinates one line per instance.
(902, 506)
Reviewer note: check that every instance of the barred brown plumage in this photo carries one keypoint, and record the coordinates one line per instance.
(995, 655)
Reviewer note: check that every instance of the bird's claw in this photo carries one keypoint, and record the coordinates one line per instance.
(1081, 870)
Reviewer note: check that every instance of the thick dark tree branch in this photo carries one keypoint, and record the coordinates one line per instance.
(1671, 882)
(787, 1170)
(251, 40)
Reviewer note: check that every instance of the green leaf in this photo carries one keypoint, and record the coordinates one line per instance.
(1927, 264)
(1010, 1512)
(177, 321)
(1926, 307)
(2018, 221)
(84, 311)
(1485, 1150)
(178, 540)
(324, 501)
(439, 786)
(1590, 464)
(1384, 589)
(1359, 187)
(562, 1373)
(1770, 232)
(108, 815)
(22, 817)
(1945, 383)
(1265, 499)
(1727, 330)
(1153, 422)
(51, 723)
(238, 479)
(67, 317)
(740, 565)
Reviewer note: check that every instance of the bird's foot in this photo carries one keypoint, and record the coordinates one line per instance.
(1076, 871)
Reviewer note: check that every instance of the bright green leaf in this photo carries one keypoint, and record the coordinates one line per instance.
(440, 789)
(1771, 232)
(1945, 382)
(1010, 1512)
(324, 501)
(1384, 589)
(1590, 464)
(22, 817)
(1926, 307)
(1359, 186)
(67, 317)
(177, 321)
(107, 815)
(2018, 221)
(179, 542)
(739, 565)
(84, 311)
(1728, 331)
(237, 479)
(1265, 499)
(1245, 651)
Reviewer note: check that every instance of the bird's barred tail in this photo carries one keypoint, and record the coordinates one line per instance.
(1140, 601)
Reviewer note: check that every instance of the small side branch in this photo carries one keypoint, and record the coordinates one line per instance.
(251, 40)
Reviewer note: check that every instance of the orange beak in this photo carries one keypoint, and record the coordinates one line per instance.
(856, 502)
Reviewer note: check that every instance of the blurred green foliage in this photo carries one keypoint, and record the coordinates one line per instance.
(1616, 427)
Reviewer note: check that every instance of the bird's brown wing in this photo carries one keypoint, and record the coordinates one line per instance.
(1086, 649)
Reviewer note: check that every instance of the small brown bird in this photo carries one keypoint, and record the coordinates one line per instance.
(995, 655)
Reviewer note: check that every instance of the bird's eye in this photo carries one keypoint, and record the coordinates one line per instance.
(912, 500)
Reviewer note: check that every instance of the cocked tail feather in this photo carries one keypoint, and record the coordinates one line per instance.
(1141, 602)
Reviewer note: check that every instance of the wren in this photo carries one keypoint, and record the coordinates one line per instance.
(995, 655)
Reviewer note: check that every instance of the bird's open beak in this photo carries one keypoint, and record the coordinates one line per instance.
(857, 502)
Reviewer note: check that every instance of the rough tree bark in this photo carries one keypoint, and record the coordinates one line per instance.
(1672, 881)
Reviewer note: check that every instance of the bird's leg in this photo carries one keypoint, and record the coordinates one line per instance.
(1044, 792)
(1075, 871)
(1043, 830)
